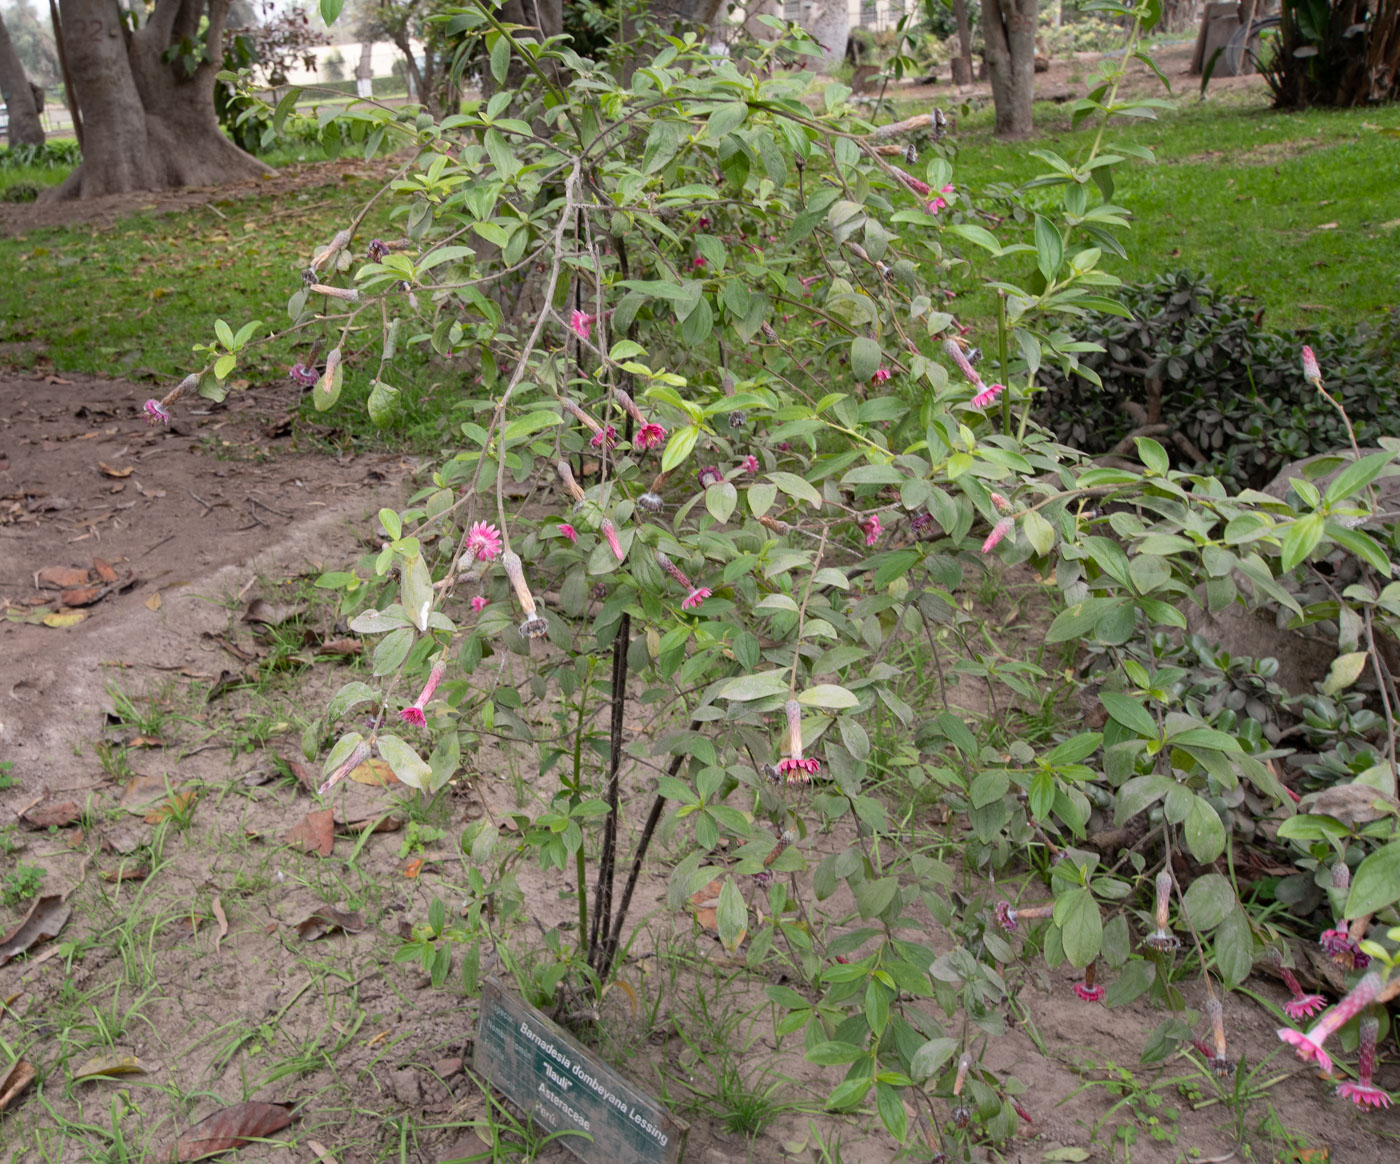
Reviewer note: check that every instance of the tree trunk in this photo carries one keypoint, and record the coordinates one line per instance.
(25, 128)
(962, 63)
(830, 26)
(148, 125)
(1008, 27)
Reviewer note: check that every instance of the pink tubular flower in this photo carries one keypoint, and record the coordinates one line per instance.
(581, 324)
(987, 395)
(156, 412)
(1301, 1005)
(920, 188)
(484, 541)
(414, 714)
(797, 769)
(871, 528)
(478, 603)
(352, 761)
(607, 436)
(601, 435)
(1343, 950)
(568, 531)
(695, 597)
(954, 352)
(1002, 504)
(1088, 990)
(1007, 916)
(710, 475)
(1309, 1045)
(1365, 1093)
(649, 435)
(610, 532)
(1163, 939)
(750, 464)
(1311, 372)
(698, 263)
(304, 375)
(937, 203)
(999, 531)
(697, 594)
(881, 375)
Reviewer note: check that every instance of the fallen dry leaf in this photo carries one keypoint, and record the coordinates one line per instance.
(305, 776)
(177, 804)
(341, 648)
(327, 921)
(46, 917)
(104, 570)
(385, 823)
(446, 1068)
(232, 1127)
(153, 602)
(144, 742)
(321, 1152)
(374, 772)
(271, 613)
(222, 919)
(412, 867)
(61, 577)
(126, 873)
(109, 471)
(46, 816)
(62, 621)
(103, 1066)
(82, 595)
(20, 1076)
(1352, 804)
(314, 834)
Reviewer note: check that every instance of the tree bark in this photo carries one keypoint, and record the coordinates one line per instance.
(148, 124)
(962, 64)
(830, 26)
(1008, 27)
(25, 127)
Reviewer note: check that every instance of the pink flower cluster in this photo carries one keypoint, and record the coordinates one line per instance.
(483, 541)
(414, 713)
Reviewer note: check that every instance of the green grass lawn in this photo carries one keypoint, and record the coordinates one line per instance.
(1299, 211)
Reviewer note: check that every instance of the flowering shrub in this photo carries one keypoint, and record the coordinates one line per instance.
(707, 325)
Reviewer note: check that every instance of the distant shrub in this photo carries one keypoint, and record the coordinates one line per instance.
(1228, 387)
(52, 155)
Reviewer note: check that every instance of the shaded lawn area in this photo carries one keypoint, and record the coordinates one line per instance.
(1297, 210)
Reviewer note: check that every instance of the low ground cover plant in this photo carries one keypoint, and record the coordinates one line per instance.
(727, 460)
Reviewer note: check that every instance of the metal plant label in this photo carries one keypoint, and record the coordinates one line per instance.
(567, 1088)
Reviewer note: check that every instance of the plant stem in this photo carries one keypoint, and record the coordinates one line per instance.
(607, 862)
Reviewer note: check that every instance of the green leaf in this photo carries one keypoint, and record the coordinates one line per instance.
(416, 591)
(351, 695)
(1356, 476)
(1049, 247)
(763, 685)
(891, 1109)
(1376, 883)
(720, 500)
(1151, 454)
(408, 766)
(726, 119)
(383, 404)
(679, 446)
(976, 234)
(1301, 539)
(1205, 835)
(330, 9)
(1234, 949)
(1139, 794)
(1038, 532)
(389, 519)
(1081, 926)
(1074, 749)
(1208, 901)
(929, 1058)
(731, 916)
(500, 58)
(827, 695)
(1132, 984)
(1130, 713)
(1345, 670)
(834, 1054)
(761, 497)
(795, 486)
(865, 358)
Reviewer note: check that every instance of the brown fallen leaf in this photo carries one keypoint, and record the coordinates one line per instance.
(341, 648)
(322, 1153)
(222, 919)
(314, 834)
(374, 772)
(46, 816)
(109, 471)
(1352, 804)
(66, 619)
(305, 776)
(271, 613)
(412, 867)
(126, 873)
(447, 1068)
(153, 602)
(46, 917)
(144, 742)
(327, 920)
(82, 595)
(142, 792)
(177, 804)
(61, 577)
(231, 1127)
(105, 1066)
(20, 1076)
(104, 570)
(386, 823)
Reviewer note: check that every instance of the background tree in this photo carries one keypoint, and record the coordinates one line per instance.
(1008, 27)
(962, 63)
(25, 128)
(33, 41)
(147, 98)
